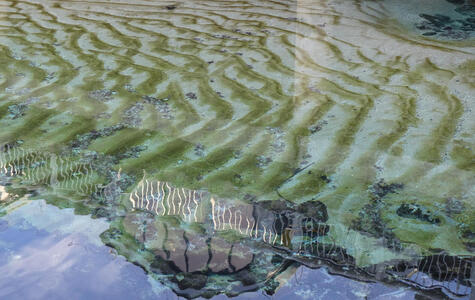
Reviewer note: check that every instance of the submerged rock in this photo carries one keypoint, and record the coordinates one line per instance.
(381, 188)
(102, 95)
(416, 211)
(447, 27)
(17, 110)
(191, 281)
(315, 210)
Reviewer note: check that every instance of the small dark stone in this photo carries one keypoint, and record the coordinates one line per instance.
(315, 128)
(170, 7)
(325, 178)
(191, 96)
(193, 281)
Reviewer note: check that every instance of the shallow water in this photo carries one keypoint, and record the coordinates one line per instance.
(218, 147)
(40, 260)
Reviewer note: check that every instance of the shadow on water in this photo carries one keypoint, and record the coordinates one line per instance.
(201, 245)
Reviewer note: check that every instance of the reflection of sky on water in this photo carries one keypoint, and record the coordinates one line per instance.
(40, 262)
(48, 264)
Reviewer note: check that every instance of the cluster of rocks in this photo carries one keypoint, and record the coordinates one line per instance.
(102, 95)
(17, 110)
(132, 115)
(84, 140)
(418, 212)
(263, 161)
(199, 150)
(370, 217)
(317, 127)
(161, 105)
(278, 145)
(447, 27)
(133, 152)
(381, 188)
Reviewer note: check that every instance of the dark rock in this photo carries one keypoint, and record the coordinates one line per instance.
(102, 95)
(192, 280)
(132, 115)
(133, 152)
(453, 206)
(199, 149)
(271, 286)
(249, 197)
(445, 27)
(381, 188)
(17, 110)
(456, 1)
(191, 96)
(317, 127)
(467, 234)
(437, 19)
(170, 7)
(467, 10)
(277, 259)
(100, 212)
(370, 221)
(281, 223)
(246, 277)
(325, 178)
(83, 141)
(7, 146)
(161, 266)
(274, 205)
(114, 233)
(161, 105)
(315, 210)
(263, 161)
(416, 211)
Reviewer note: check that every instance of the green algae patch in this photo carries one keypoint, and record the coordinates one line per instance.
(463, 155)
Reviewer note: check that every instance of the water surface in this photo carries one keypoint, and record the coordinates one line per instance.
(225, 145)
